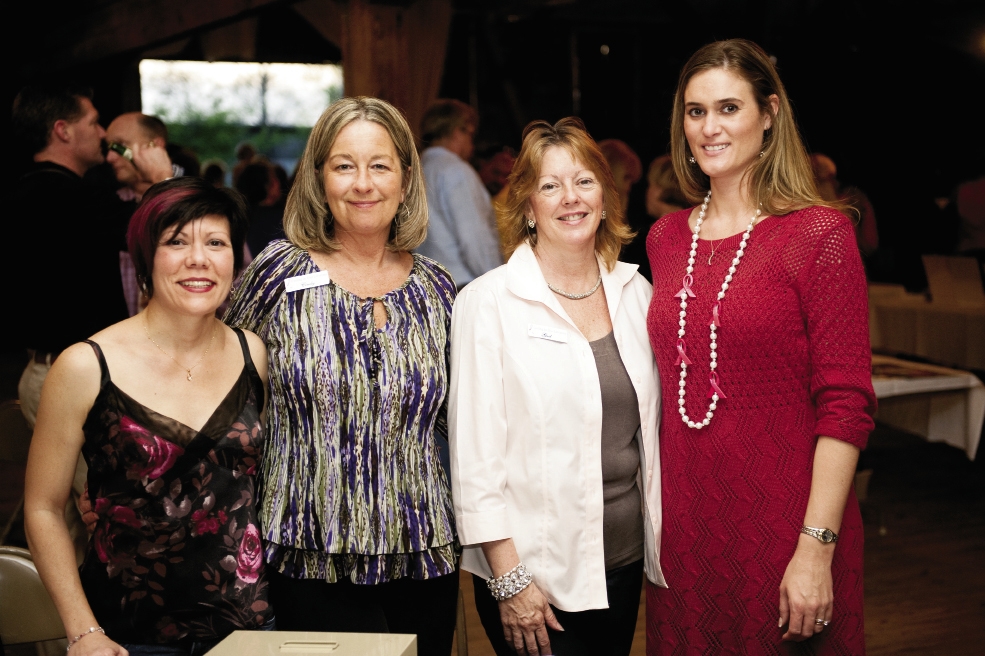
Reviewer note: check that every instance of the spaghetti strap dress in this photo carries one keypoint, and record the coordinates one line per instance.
(176, 555)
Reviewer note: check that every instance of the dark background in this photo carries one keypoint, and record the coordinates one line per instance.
(893, 93)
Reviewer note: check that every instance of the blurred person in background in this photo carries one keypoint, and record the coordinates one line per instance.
(971, 209)
(663, 193)
(261, 186)
(826, 178)
(461, 232)
(245, 154)
(663, 196)
(625, 165)
(214, 172)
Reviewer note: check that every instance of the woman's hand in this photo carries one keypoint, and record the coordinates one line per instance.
(525, 618)
(96, 644)
(807, 591)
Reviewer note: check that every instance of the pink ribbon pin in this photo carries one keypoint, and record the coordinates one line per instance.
(681, 355)
(714, 314)
(715, 389)
(686, 289)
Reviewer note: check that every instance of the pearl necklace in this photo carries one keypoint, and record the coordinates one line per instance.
(715, 393)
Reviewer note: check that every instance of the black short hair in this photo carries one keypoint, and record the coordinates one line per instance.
(37, 108)
(170, 205)
(254, 182)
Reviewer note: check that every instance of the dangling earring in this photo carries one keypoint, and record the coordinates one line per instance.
(401, 214)
(603, 215)
(531, 224)
(692, 160)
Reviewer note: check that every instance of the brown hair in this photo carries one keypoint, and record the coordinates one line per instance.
(781, 179)
(444, 117)
(568, 133)
(618, 154)
(37, 108)
(661, 174)
(308, 222)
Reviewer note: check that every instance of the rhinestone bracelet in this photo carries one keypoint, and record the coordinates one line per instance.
(510, 584)
(92, 629)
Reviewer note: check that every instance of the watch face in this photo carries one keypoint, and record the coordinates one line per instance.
(827, 535)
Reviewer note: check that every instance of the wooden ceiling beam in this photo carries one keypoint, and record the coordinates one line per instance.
(127, 25)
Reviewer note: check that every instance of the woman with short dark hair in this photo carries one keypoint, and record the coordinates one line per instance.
(165, 407)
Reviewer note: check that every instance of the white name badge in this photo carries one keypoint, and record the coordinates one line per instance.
(543, 332)
(316, 279)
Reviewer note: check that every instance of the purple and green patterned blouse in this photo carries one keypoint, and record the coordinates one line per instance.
(351, 483)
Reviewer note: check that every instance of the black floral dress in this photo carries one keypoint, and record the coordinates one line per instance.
(176, 554)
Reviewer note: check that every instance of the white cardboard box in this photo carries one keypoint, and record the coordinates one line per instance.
(305, 643)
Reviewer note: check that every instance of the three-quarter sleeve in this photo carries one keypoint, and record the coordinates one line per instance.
(477, 419)
(834, 302)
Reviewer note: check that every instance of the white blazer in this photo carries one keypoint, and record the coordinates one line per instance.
(525, 426)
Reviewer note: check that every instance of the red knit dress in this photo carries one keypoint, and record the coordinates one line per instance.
(794, 363)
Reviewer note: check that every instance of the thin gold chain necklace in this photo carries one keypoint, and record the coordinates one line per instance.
(713, 249)
(188, 370)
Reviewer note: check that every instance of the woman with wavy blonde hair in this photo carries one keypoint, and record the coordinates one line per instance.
(553, 412)
(759, 326)
(356, 507)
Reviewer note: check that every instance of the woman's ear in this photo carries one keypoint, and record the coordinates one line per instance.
(774, 108)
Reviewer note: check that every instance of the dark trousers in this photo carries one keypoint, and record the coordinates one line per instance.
(603, 632)
(425, 608)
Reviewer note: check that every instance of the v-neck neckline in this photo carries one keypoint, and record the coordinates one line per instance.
(156, 414)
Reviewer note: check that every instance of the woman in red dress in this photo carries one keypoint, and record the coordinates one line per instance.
(759, 324)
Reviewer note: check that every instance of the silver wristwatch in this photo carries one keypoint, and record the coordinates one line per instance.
(825, 535)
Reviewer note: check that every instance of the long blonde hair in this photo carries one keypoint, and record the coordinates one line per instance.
(308, 223)
(781, 180)
(570, 134)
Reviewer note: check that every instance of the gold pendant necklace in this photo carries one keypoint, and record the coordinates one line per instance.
(713, 251)
(188, 370)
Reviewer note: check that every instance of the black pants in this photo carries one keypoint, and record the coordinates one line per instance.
(604, 632)
(425, 608)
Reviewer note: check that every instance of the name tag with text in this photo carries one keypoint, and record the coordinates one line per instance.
(316, 279)
(551, 334)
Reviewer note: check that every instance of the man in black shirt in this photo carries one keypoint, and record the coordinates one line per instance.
(73, 230)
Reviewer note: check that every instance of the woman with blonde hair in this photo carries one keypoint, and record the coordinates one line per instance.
(553, 412)
(356, 509)
(759, 325)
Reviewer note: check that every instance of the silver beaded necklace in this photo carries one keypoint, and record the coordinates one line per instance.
(577, 297)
